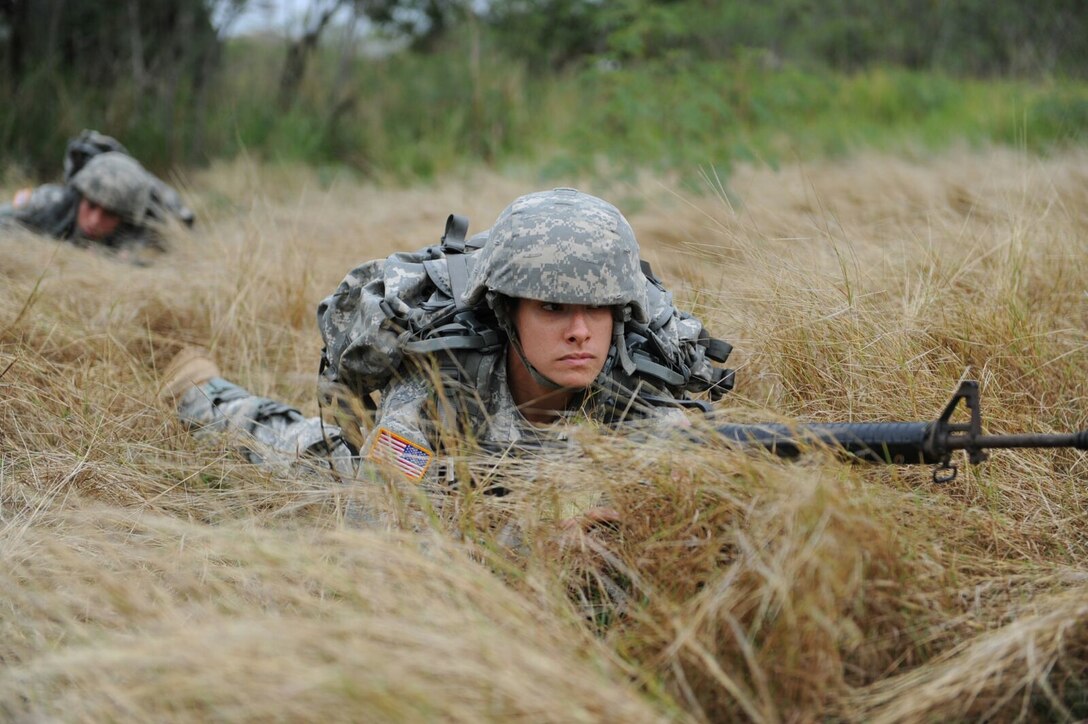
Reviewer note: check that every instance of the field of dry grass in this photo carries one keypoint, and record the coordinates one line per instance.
(150, 576)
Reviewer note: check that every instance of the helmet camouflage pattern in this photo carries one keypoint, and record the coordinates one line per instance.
(117, 182)
(561, 246)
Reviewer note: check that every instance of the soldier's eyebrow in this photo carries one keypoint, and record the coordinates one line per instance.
(95, 205)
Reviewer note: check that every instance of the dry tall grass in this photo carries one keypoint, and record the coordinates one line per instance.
(149, 576)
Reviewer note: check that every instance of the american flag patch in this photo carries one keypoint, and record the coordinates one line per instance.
(392, 449)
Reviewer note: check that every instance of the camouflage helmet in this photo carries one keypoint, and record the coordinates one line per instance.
(117, 182)
(561, 246)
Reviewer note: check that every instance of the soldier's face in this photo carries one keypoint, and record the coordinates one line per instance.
(567, 343)
(94, 221)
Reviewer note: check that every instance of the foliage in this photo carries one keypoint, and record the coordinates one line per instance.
(412, 116)
(973, 37)
(573, 83)
(696, 116)
(140, 69)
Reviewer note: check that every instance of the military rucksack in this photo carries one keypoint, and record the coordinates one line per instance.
(408, 309)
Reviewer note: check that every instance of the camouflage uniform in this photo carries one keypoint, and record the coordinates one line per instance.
(279, 436)
(98, 167)
(559, 246)
(50, 210)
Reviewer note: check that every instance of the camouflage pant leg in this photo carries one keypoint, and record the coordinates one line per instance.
(272, 434)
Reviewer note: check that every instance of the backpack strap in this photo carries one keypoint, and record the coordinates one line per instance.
(645, 364)
(458, 330)
(716, 349)
(453, 238)
(457, 261)
(452, 336)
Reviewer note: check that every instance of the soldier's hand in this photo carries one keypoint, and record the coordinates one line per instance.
(22, 196)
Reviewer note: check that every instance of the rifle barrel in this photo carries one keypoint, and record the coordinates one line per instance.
(888, 442)
(1078, 440)
(878, 442)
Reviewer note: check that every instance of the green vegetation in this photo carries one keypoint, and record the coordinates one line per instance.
(412, 116)
(714, 114)
(569, 85)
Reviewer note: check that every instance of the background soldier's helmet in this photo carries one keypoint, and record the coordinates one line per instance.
(117, 182)
(561, 246)
(88, 144)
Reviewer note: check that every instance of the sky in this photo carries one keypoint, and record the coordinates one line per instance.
(281, 16)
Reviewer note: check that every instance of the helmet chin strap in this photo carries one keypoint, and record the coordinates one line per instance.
(501, 306)
(536, 374)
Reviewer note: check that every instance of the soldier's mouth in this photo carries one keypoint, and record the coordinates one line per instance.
(577, 359)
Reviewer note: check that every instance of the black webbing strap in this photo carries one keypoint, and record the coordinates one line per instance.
(718, 349)
(648, 271)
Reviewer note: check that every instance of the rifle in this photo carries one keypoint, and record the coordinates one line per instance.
(902, 443)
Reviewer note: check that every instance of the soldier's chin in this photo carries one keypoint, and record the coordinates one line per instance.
(92, 234)
(574, 380)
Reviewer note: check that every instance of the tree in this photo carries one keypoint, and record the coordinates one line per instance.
(127, 64)
(300, 50)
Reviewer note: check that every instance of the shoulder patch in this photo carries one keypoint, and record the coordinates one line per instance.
(408, 457)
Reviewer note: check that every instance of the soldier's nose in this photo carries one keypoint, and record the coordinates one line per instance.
(578, 328)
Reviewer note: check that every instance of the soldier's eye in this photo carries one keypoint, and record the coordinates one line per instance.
(551, 307)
